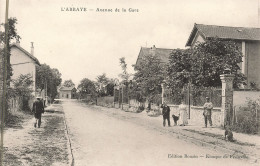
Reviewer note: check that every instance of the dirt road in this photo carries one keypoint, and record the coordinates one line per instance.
(101, 137)
(45, 146)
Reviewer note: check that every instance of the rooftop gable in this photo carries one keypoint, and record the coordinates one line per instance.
(162, 53)
(224, 32)
(26, 53)
(66, 88)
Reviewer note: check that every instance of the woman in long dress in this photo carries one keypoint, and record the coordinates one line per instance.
(183, 120)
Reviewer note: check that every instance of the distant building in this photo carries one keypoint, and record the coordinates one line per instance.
(23, 62)
(67, 93)
(248, 39)
(162, 54)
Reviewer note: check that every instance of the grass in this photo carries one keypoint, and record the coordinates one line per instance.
(15, 119)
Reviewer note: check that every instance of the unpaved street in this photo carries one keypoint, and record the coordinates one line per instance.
(116, 138)
(28, 146)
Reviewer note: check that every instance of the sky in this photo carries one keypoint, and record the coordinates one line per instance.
(85, 44)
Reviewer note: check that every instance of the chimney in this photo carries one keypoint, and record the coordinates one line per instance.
(152, 50)
(17, 42)
(32, 49)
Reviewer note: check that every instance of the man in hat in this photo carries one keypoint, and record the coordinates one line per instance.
(208, 106)
(38, 109)
(166, 113)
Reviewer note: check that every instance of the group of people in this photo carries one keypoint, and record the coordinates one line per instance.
(182, 116)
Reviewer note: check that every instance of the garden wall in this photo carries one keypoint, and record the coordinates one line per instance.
(196, 115)
(240, 97)
(107, 101)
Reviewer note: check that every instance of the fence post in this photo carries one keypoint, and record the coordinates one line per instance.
(115, 88)
(122, 97)
(227, 97)
(163, 90)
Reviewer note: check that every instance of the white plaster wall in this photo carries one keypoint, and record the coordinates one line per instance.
(197, 39)
(240, 97)
(22, 64)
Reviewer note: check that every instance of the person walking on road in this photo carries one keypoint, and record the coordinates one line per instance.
(38, 109)
(166, 113)
(183, 120)
(208, 106)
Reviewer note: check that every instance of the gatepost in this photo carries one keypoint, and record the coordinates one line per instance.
(227, 97)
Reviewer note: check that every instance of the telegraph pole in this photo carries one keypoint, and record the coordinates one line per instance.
(3, 87)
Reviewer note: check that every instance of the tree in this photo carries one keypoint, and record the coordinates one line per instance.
(179, 72)
(101, 83)
(124, 75)
(179, 68)
(21, 89)
(110, 88)
(204, 64)
(6, 73)
(149, 76)
(68, 83)
(87, 87)
(22, 86)
(11, 35)
(50, 77)
(211, 58)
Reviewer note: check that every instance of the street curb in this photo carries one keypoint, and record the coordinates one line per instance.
(71, 157)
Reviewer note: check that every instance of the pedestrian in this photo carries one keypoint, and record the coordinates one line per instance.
(166, 113)
(208, 106)
(183, 120)
(38, 109)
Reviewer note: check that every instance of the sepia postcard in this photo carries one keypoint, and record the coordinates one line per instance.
(130, 82)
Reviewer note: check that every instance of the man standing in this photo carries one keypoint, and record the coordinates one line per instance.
(208, 106)
(38, 109)
(166, 113)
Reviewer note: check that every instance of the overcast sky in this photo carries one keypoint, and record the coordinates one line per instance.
(87, 44)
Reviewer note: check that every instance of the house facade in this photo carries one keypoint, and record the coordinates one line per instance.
(23, 62)
(248, 40)
(67, 93)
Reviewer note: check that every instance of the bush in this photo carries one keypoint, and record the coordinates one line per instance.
(247, 118)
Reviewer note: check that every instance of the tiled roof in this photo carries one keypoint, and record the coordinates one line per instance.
(225, 32)
(162, 53)
(67, 88)
(27, 53)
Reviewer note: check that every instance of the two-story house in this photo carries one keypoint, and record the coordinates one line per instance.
(248, 39)
(67, 93)
(23, 62)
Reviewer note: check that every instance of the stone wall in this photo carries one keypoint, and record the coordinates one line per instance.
(240, 97)
(196, 115)
(107, 101)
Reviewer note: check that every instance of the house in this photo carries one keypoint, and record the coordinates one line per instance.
(23, 62)
(248, 39)
(67, 93)
(162, 53)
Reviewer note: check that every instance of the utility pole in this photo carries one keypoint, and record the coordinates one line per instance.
(258, 14)
(45, 97)
(3, 81)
